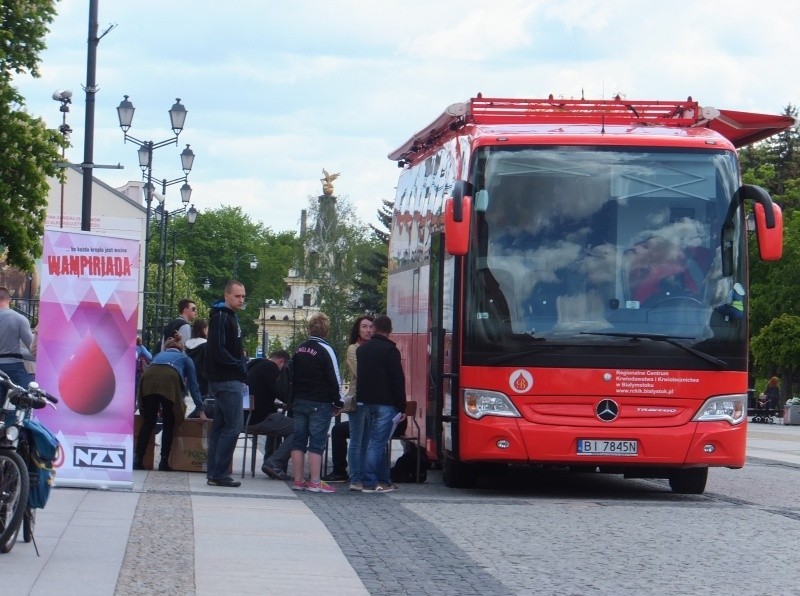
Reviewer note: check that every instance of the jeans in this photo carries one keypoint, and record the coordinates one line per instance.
(376, 466)
(360, 426)
(225, 429)
(276, 425)
(311, 423)
(148, 408)
(17, 373)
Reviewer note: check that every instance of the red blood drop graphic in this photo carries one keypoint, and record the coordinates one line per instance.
(520, 383)
(86, 381)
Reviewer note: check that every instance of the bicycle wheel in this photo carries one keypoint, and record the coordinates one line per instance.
(28, 524)
(13, 497)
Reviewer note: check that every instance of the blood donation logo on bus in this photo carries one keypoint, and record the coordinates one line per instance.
(520, 381)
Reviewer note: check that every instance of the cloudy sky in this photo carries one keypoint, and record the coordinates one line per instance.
(277, 90)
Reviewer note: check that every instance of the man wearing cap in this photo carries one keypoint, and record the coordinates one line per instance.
(15, 332)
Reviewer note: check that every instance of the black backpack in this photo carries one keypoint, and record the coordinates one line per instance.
(198, 356)
(405, 468)
(172, 328)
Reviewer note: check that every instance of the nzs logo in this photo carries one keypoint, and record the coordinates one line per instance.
(98, 457)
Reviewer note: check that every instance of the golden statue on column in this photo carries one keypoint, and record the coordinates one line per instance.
(327, 182)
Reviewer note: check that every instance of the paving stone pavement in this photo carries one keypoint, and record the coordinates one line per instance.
(173, 534)
(396, 551)
(162, 533)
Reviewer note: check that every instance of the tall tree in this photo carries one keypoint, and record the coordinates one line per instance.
(785, 150)
(337, 244)
(370, 285)
(226, 238)
(28, 149)
(774, 291)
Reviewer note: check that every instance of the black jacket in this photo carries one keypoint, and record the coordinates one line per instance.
(224, 353)
(261, 376)
(316, 372)
(380, 373)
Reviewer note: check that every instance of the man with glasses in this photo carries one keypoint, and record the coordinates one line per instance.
(187, 312)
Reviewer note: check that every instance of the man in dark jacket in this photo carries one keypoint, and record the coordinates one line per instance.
(382, 388)
(225, 371)
(265, 419)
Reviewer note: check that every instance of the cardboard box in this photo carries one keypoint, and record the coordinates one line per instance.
(147, 462)
(190, 446)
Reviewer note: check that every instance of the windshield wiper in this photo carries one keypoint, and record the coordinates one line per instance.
(665, 338)
(532, 339)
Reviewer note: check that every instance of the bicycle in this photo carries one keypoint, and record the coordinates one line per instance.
(18, 465)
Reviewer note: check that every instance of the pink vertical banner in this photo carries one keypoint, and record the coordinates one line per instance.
(86, 354)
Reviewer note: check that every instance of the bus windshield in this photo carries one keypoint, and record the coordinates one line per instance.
(584, 247)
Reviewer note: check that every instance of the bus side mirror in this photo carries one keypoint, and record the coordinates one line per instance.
(456, 233)
(770, 239)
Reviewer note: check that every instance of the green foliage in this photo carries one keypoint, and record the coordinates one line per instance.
(221, 240)
(774, 287)
(23, 26)
(777, 346)
(370, 285)
(28, 149)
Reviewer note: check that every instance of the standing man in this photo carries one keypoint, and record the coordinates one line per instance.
(265, 418)
(187, 312)
(15, 332)
(225, 371)
(382, 389)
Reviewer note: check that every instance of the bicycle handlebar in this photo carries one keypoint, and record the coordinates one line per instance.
(35, 395)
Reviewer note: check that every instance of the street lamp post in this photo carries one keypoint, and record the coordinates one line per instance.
(163, 217)
(237, 258)
(264, 332)
(177, 116)
(65, 97)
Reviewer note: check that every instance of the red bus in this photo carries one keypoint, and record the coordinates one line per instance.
(567, 283)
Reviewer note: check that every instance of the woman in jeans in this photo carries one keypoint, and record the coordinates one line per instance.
(357, 419)
(316, 398)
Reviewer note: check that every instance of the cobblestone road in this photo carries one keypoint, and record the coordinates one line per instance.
(567, 534)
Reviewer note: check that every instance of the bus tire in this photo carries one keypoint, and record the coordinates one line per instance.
(457, 474)
(691, 481)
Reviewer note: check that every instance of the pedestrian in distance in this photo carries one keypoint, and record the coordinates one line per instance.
(316, 397)
(143, 360)
(382, 389)
(196, 351)
(15, 333)
(187, 312)
(773, 393)
(225, 371)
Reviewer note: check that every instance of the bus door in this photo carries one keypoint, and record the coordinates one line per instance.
(440, 343)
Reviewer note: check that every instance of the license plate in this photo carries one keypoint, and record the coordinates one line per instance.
(607, 447)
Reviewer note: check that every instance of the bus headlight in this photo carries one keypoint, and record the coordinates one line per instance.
(480, 402)
(730, 408)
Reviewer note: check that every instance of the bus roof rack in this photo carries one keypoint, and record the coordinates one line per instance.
(740, 128)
